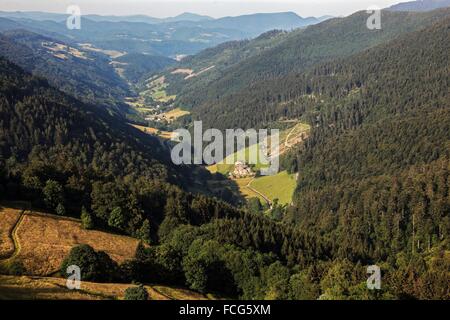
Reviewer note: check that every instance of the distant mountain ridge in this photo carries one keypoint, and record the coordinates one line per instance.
(293, 52)
(288, 19)
(420, 5)
(255, 23)
(59, 17)
(185, 34)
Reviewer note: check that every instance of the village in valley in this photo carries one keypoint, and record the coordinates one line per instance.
(239, 177)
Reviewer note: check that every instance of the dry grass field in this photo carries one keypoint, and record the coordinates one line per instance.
(41, 241)
(45, 241)
(41, 288)
(8, 219)
(178, 294)
(113, 54)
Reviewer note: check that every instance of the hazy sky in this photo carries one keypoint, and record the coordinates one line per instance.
(214, 8)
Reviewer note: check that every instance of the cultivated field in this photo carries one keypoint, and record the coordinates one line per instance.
(157, 90)
(243, 185)
(62, 51)
(175, 114)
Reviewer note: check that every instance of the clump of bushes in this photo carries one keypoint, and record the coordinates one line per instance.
(95, 266)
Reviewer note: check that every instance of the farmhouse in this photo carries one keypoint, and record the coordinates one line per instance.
(241, 170)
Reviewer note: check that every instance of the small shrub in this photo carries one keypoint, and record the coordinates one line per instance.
(86, 220)
(16, 268)
(136, 293)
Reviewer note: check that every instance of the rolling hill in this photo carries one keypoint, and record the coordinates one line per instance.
(255, 24)
(380, 141)
(41, 241)
(83, 74)
(244, 88)
(212, 64)
(420, 5)
(373, 175)
(137, 67)
(294, 52)
(182, 35)
(59, 17)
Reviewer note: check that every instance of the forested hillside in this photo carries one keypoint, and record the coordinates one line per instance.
(373, 174)
(381, 146)
(52, 143)
(85, 75)
(217, 61)
(64, 158)
(378, 153)
(58, 156)
(138, 67)
(299, 51)
(420, 5)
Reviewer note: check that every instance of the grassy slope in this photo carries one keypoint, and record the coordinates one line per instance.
(280, 186)
(44, 241)
(287, 139)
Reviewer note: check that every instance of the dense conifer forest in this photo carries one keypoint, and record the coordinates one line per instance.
(373, 186)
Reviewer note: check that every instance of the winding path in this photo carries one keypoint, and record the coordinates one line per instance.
(15, 240)
(269, 203)
(286, 142)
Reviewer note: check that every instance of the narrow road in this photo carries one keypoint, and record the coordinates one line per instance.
(269, 203)
(286, 143)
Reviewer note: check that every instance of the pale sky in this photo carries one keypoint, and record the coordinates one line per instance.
(214, 8)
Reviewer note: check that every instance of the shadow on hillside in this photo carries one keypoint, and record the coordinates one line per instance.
(18, 205)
